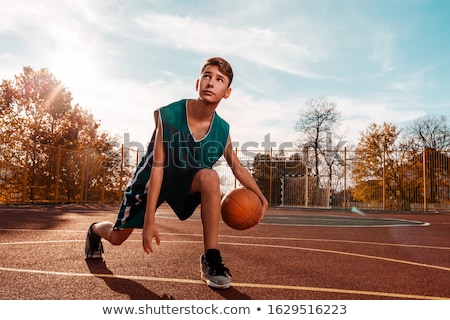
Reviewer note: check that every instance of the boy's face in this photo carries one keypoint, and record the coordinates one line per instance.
(213, 85)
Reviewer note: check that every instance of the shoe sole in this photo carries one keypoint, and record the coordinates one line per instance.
(215, 285)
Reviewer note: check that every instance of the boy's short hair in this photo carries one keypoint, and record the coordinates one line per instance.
(223, 66)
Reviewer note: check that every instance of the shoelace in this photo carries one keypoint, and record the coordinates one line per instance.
(217, 268)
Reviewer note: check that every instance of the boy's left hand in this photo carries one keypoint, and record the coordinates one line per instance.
(148, 233)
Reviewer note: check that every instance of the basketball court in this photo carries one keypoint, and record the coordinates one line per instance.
(294, 254)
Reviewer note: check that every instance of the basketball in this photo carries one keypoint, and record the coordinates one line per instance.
(241, 209)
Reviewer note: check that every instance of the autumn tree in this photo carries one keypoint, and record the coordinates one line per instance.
(429, 131)
(430, 137)
(383, 171)
(317, 120)
(369, 162)
(38, 116)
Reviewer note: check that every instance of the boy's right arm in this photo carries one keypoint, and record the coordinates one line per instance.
(150, 229)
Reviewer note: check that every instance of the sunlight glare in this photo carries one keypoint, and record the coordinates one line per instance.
(77, 71)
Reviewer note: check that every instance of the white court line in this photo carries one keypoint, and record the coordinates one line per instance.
(401, 222)
(250, 285)
(237, 284)
(412, 263)
(235, 237)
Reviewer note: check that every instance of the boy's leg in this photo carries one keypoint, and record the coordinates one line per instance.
(212, 268)
(106, 231)
(207, 182)
(94, 247)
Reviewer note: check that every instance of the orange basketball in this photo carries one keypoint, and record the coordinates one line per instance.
(241, 209)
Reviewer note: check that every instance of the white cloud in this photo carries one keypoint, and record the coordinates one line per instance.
(359, 114)
(383, 50)
(413, 80)
(258, 119)
(259, 45)
(283, 52)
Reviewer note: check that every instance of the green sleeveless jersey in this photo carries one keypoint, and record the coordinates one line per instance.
(184, 154)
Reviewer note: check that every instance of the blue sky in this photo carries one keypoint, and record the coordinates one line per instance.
(379, 61)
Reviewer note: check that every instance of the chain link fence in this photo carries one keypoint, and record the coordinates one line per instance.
(395, 180)
(391, 180)
(46, 174)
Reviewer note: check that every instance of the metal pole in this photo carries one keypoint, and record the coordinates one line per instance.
(58, 169)
(345, 177)
(270, 176)
(424, 172)
(86, 180)
(25, 173)
(384, 174)
(102, 199)
(306, 178)
(82, 176)
(119, 193)
(235, 180)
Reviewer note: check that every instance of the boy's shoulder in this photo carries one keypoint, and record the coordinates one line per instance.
(222, 120)
(174, 109)
(177, 104)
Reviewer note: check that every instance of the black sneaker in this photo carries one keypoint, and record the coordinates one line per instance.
(93, 248)
(213, 270)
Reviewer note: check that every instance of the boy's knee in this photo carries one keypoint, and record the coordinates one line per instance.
(206, 181)
(208, 177)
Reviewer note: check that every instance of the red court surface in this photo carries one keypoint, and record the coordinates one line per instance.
(294, 254)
